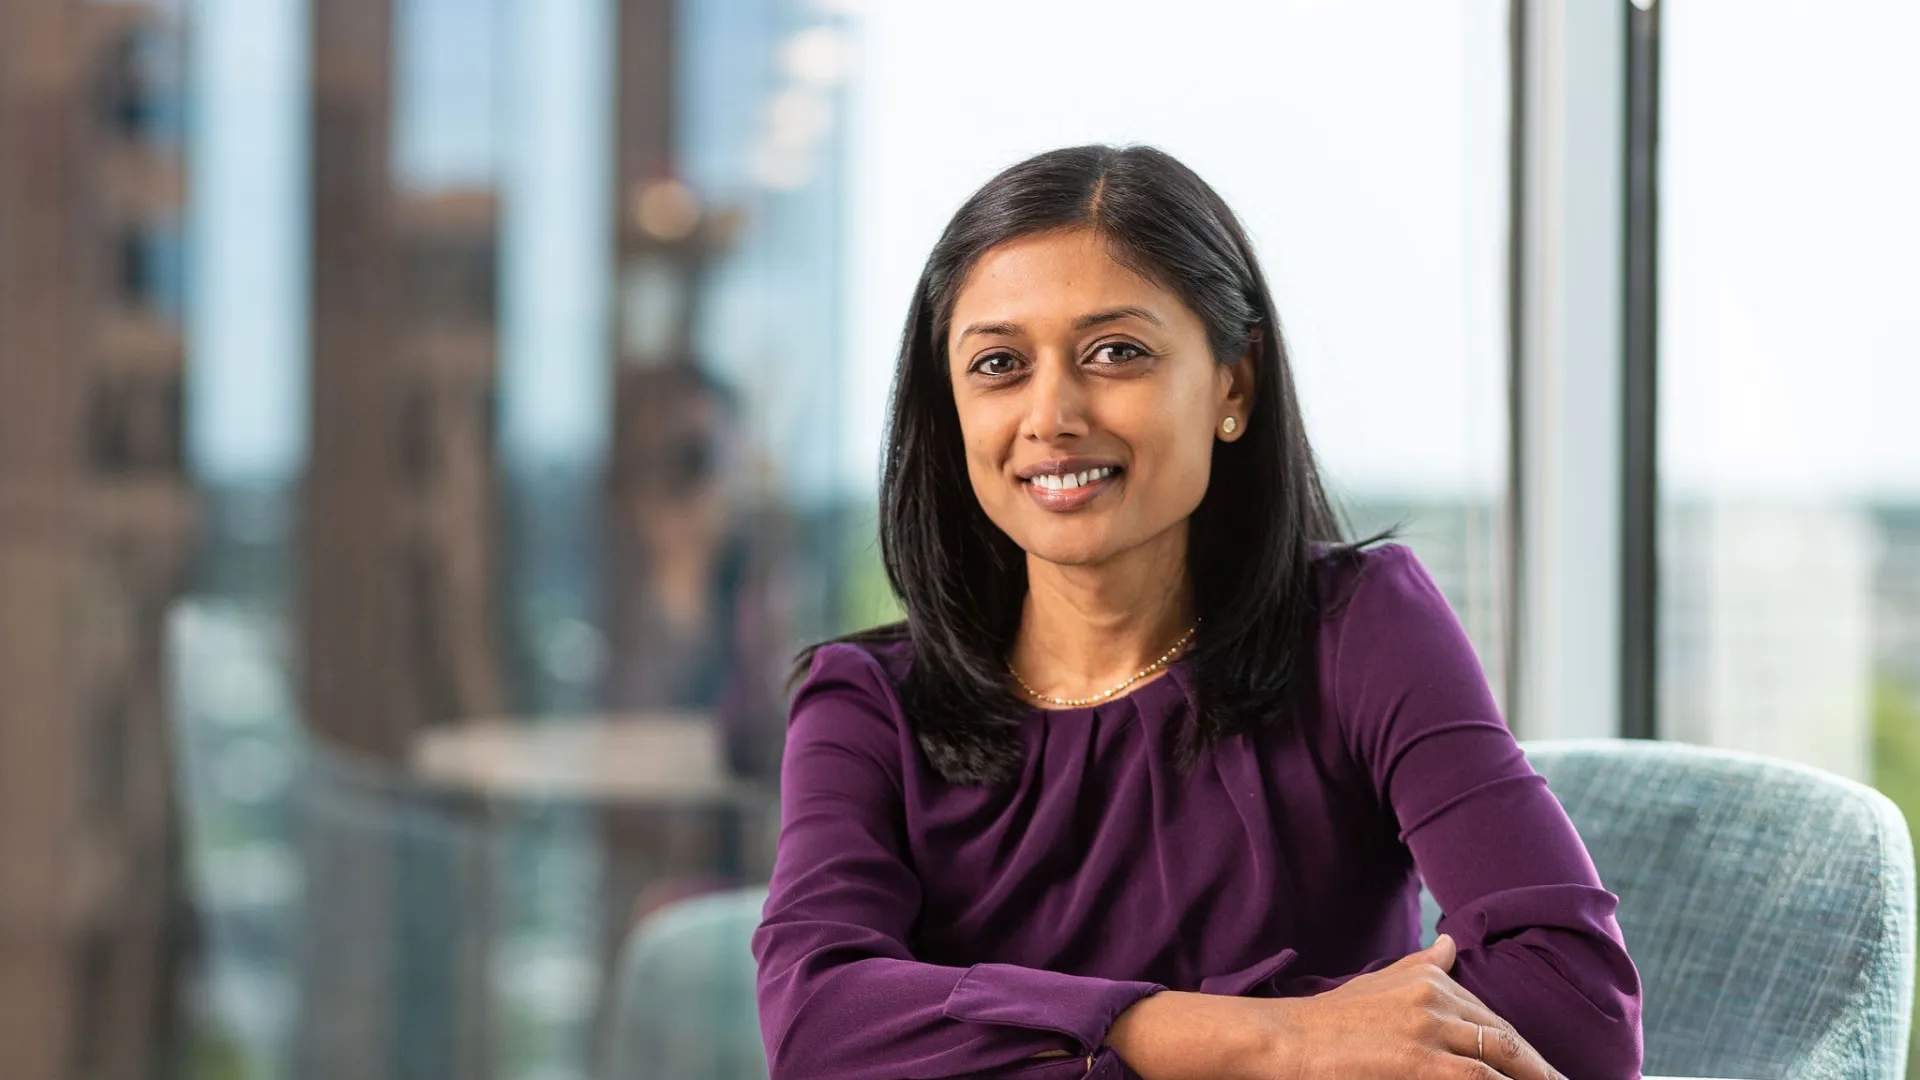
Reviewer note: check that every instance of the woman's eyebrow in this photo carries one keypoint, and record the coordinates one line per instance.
(1007, 329)
(1116, 314)
(997, 329)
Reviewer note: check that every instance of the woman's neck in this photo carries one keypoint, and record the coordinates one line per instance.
(1084, 629)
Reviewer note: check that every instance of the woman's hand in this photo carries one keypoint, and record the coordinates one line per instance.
(1410, 1021)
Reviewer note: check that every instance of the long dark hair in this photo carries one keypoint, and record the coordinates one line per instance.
(1253, 540)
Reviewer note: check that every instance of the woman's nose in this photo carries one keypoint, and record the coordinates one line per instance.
(1056, 405)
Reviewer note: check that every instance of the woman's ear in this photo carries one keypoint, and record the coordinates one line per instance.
(1236, 392)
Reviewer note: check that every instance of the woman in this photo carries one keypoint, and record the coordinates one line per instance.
(1147, 781)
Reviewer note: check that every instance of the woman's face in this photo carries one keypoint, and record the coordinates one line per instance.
(1088, 397)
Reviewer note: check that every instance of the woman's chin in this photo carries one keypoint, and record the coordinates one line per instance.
(1071, 546)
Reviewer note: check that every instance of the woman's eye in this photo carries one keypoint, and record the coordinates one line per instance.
(996, 364)
(1119, 352)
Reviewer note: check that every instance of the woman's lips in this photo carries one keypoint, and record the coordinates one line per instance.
(1061, 500)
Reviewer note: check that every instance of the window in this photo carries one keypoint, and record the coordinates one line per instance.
(1789, 371)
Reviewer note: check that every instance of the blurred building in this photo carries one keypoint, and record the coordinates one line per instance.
(95, 518)
(1767, 630)
(399, 608)
(1897, 585)
(398, 584)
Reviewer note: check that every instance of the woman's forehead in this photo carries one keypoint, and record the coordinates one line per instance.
(1056, 281)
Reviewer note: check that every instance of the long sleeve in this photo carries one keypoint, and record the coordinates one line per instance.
(1536, 932)
(840, 995)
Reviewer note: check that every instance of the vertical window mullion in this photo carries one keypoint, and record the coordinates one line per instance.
(1640, 479)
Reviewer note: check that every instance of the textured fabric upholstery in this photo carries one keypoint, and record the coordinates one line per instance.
(1769, 907)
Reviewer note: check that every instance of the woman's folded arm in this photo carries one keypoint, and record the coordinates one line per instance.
(1538, 942)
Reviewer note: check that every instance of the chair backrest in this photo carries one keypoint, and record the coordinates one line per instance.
(1768, 906)
(393, 950)
(684, 995)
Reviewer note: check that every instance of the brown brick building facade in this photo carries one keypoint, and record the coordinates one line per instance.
(95, 517)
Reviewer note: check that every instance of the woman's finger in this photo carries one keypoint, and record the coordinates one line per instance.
(1494, 1041)
(1461, 1044)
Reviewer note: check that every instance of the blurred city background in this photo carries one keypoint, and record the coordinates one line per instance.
(429, 427)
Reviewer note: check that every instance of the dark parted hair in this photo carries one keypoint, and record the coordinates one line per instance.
(1253, 541)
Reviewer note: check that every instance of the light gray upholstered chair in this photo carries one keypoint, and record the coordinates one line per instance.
(1769, 908)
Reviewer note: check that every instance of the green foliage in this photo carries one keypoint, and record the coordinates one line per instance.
(209, 1052)
(866, 597)
(1896, 772)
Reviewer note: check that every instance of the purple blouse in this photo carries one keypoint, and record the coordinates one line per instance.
(921, 929)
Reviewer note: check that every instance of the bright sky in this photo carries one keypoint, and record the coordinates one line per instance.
(1790, 307)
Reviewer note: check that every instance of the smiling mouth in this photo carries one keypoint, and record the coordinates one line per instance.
(1065, 492)
(1071, 481)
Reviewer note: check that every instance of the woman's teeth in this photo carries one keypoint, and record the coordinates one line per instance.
(1069, 481)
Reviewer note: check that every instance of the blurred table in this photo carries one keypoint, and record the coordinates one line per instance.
(666, 759)
(670, 816)
(668, 807)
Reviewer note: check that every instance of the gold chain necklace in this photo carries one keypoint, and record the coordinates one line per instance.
(1074, 703)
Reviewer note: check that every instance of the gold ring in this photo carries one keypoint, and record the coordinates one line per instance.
(1480, 1040)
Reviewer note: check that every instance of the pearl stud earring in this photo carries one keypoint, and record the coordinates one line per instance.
(1229, 425)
